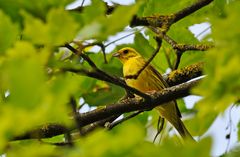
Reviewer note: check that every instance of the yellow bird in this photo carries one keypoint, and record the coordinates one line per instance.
(150, 80)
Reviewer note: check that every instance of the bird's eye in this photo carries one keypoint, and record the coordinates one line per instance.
(125, 51)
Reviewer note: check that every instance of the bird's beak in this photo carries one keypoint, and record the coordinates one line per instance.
(116, 54)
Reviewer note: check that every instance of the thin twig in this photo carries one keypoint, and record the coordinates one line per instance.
(123, 37)
(82, 3)
(84, 56)
(203, 31)
(115, 123)
(178, 46)
(228, 136)
(135, 76)
(101, 45)
(178, 59)
(93, 126)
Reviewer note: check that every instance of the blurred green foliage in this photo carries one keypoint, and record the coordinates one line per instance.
(35, 91)
(222, 81)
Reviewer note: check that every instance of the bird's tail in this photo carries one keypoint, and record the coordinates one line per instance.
(171, 113)
(182, 130)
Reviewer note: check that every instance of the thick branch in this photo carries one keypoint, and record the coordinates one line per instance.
(100, 75)
(190, 9)
(175, 77)
(45, 131)
(135, 104)
(99, 116)
(162, 21)
(165, 21)
(184, 74)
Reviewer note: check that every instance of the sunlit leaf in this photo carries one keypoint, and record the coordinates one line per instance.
(51, 32)
(33, 99)
(7, 39)
(38, 8)
(163, 7)
(29, 149)
(222, 81)
(101, 28)
(103, 95)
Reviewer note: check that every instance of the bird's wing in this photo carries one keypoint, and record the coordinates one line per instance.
(163, 82)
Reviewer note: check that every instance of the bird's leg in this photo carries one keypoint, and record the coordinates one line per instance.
(160, 126)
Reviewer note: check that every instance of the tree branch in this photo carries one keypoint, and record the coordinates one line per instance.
(135, 104)
(162, 21)
(46, 131)
(165, 21)
(110, 111)
(135, 76)
(180, 48)
(190, 9)
(185, 74)
(174, 78)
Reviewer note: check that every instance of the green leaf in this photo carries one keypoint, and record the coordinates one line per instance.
(191, 57)
(102, 28)
(202, 148)
(33, 99)
(93, 12)
(38, 9)
(113, 67)
(51, 33)
(86, 84)
(24, 75)
(142, 45)
(219, 7)
(104, 96)
(55, 139)
(222, 81)
(33, 148)
(181, 105)
(181, 34)
(193, 124)
(8, 32)
(65, 33)
(142, 118)
(114, 25)
(132, 133)
(163, 7)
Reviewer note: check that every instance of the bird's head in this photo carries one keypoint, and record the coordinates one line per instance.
(125, 54)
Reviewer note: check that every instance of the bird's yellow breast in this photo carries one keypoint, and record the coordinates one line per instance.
(146, 81)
